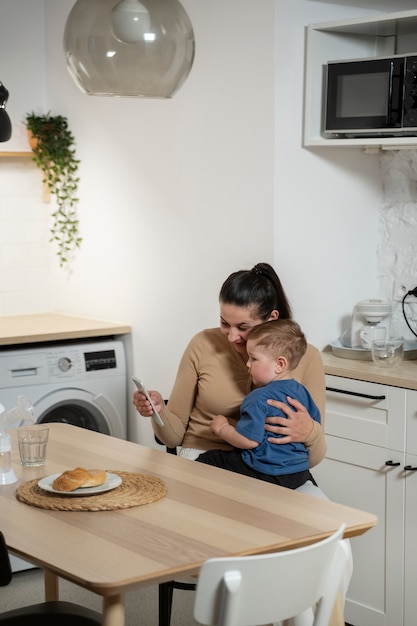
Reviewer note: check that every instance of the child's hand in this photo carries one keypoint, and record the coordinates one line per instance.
(217, 423)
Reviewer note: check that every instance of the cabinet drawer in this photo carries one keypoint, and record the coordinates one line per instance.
(365, 412)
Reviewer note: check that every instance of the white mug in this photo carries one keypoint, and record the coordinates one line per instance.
(368, 334)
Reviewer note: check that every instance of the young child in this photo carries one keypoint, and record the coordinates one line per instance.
(274, 349)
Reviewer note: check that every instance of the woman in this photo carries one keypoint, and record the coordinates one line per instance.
(213, 378)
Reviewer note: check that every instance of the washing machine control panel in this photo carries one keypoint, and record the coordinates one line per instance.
(75, 362)
(59, 363)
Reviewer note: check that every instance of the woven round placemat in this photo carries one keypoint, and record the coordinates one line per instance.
(135, 490)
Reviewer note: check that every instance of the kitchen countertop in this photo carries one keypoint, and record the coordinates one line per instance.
(40, 327)
(403, 375)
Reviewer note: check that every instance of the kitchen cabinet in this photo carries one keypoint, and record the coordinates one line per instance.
(371, 432)
(410, 595)
(378, 35)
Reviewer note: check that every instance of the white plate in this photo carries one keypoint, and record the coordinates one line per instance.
(112, 482)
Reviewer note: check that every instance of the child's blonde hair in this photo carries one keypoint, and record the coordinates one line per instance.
(280, 338)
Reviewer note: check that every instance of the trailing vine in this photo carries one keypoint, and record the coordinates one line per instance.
(54, 153)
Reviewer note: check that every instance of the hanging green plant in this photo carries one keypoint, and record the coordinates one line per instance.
(54, 153)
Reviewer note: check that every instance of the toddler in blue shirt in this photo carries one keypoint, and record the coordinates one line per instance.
(274, 350)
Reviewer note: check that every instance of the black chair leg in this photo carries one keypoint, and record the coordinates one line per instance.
(165, 593)
(166, 590)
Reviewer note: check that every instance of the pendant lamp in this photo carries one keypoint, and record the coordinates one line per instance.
(139, 48)
(5, 123)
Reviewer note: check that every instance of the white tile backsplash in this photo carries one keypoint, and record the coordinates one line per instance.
(19, 176)
(24, 235)
(397, 248)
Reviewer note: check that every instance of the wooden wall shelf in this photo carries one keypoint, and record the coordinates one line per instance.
(27, 154)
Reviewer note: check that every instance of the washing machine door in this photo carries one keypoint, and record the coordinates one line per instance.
(80, 408)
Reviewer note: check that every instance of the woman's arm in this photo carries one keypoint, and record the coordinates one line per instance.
(176, 413)
(171, 433)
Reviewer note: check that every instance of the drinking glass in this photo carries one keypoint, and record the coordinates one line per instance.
(388, 353)
(32, 444)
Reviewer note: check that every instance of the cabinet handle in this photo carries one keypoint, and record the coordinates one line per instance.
(355, 393)
(410, 468)
(392, 463)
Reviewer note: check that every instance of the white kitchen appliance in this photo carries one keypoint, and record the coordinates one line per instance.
(79, 383)
(367, 313)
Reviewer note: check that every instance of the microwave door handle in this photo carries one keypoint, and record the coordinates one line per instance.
(394, 113)
(390, 88)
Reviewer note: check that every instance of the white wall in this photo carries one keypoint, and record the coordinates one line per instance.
(24, 272)
(334, 241)
(177, 194)
(327, 199)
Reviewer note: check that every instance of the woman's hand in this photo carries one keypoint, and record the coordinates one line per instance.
(296, 427)
(143, 406)
(217, 423)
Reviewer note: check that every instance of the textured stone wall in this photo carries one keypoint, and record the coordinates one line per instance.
(397, 248)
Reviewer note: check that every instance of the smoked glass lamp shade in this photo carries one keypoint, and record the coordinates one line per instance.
(129, 48)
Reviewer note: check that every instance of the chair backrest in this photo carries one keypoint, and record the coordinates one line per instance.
(260, 589)
(5, 566)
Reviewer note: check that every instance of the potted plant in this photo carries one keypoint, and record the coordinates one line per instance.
(53, 152)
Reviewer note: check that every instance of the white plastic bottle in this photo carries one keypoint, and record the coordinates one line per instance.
(7, 475)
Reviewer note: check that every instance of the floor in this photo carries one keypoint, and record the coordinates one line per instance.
(141, 606)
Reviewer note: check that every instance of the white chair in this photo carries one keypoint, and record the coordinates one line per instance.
(266, 588)
(313, 490)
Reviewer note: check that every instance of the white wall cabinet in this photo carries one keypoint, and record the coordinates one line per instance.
(385, 34)
(372, 437)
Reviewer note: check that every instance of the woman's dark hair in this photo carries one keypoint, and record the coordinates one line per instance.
(259, 287)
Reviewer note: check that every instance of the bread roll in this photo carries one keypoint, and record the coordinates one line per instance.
(78, 479)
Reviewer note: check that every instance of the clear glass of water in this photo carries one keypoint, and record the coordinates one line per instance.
(32, 442)
(388, 353)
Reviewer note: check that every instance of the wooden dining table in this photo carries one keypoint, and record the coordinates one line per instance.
(197, 512)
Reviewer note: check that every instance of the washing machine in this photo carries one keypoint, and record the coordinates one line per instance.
(79, 383)
(83, 384)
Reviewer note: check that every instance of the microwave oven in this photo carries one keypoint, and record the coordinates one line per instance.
(372, 97)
